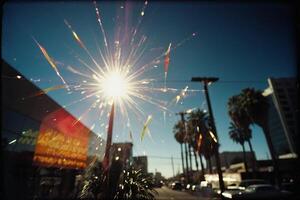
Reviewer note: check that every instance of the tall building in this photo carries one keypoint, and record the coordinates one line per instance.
(140, 163)
(122, 152)
(283, 111)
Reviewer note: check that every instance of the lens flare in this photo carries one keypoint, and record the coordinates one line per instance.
(114, 85)
(116, 70)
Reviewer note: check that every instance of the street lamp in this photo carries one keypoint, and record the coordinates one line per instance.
(207, 81)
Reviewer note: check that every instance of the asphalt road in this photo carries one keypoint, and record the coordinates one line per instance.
(166, 193)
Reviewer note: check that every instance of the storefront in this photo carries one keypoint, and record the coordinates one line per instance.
(44, 147)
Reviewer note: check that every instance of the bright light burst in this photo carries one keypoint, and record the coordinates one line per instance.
(114, 85)
(116, 74)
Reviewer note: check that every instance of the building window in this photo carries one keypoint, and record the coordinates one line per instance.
(289, 115)
(291, 90)
(286, 108)
(284, 102)
(280, 90)
(290, 123)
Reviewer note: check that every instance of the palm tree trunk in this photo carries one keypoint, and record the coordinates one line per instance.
(273, 155)
(186, 161)
(202, 167)
(245, 158)
(208, 161)
(196, 161)
(253, 158)
(182, 159)
(190, 156)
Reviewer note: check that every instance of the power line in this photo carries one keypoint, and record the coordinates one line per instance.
(162, 81)
(221, 81)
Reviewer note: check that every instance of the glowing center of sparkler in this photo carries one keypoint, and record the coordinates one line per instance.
(115, 85)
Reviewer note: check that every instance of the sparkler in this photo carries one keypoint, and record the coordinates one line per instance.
(115, 79)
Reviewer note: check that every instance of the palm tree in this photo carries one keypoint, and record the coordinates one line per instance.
(252, 107)
(180, 139)
(197, 130)
(179, 128)
(242, 120)
(93, 181)
(201, 164)
(193, 145)
(257, 106)
(192, 140)
(238, 136)
(208, 149)
(135, 185)
(248, 136)
(189, 141)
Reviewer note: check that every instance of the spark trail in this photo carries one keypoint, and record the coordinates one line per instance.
(51, 62)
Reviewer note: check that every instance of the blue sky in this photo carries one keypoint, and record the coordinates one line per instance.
(242, 44)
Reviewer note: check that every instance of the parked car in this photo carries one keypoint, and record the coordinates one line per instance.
(239, 188)
(258, 191)
(188, 186)
(177, 186)
(204, 189)
(245, 183)
(196, 188)
(158, 184)
(291, 187)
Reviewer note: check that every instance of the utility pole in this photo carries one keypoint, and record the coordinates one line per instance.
(207, 81)
(106, 160)
(172, 166)
(185, 145)
(182, 159)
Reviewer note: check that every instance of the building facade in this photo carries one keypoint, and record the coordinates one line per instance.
(42, 148)
(283, 111)
(122, 152)
(228, 158)
(141, 163)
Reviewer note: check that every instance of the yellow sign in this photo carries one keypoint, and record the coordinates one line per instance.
(62, 142)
